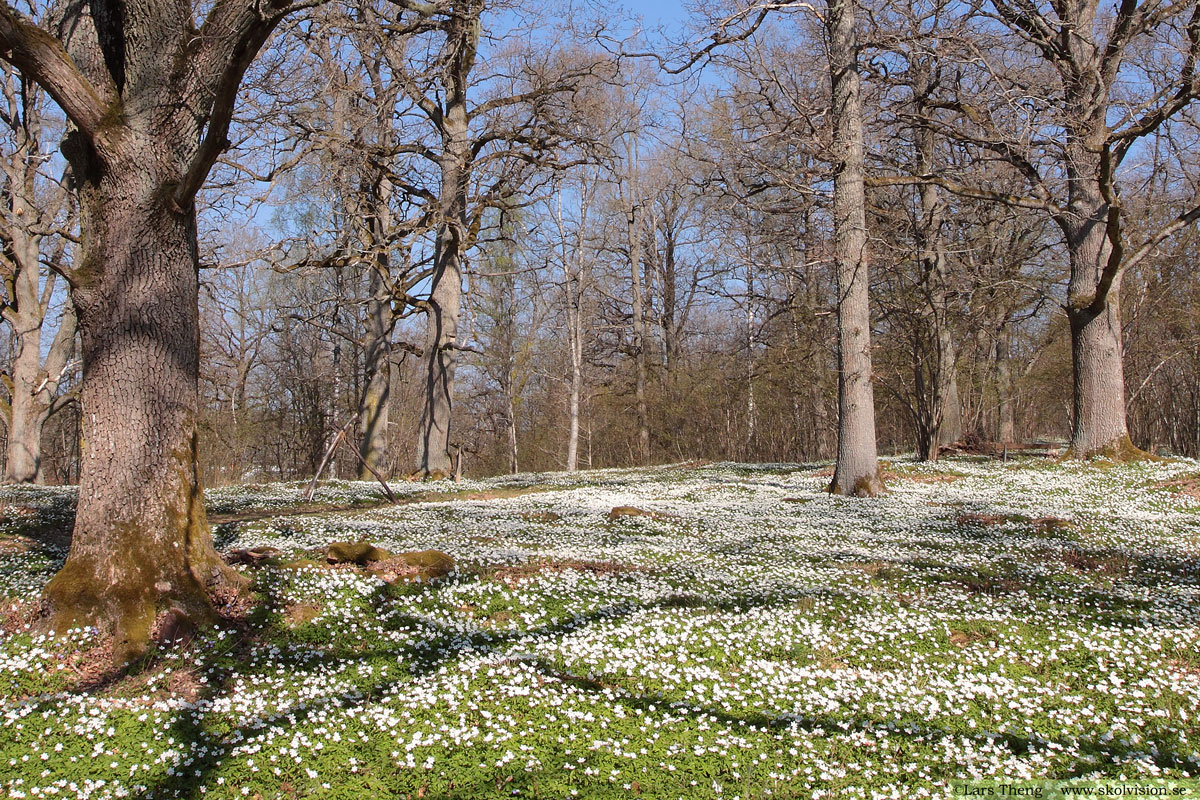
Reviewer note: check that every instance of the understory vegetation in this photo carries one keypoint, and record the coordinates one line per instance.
(748, 635)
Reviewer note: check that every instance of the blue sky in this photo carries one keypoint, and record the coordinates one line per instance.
(666, 12)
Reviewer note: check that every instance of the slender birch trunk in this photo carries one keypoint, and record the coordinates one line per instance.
(513, 455)
(575, 393)
(574, 290)
(576, 280)
(639, 332)
(751, 400)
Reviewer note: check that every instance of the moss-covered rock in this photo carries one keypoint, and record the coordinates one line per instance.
(632, 511)
(300, 614)
(431, 475)
(361, 553)
(629, 511)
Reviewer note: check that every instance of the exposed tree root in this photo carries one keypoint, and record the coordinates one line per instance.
(1120, 450)
(864, 486)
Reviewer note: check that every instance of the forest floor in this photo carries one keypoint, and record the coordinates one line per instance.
(750, 637)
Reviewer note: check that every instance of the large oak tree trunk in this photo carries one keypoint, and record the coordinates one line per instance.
(1093, 310)
(857, 468)
(1088, 45)
(149, 95)
(141, 545)
(440, 363)
(1098, 384)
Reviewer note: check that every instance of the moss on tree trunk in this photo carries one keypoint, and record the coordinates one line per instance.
(141, 545)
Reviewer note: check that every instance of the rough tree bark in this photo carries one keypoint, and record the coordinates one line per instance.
(440, 361)
(857, 468)
(376, 230)
(150, 98)
(377, 358)
(141, 543)
(1093, 310)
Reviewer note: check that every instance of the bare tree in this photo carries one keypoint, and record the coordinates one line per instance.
(33, 230)
(356, 186)
(237, 313)
(939, 413)
(1088, 60)
(149, 96)
(492, 129)
(575, 256)
(856, 471)
(636, 241)
(505, 314)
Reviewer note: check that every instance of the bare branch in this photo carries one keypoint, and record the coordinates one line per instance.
(43, 58)
(229, 40)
